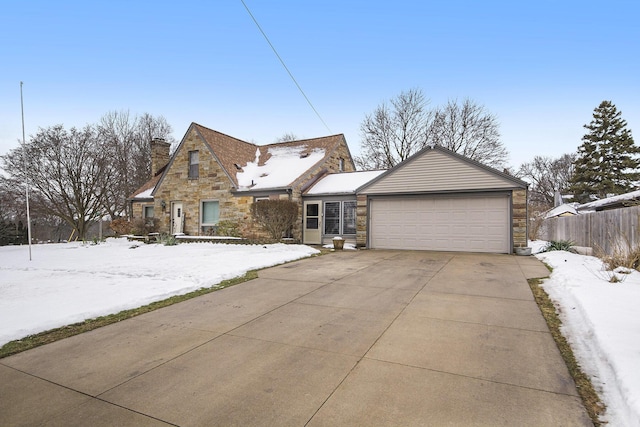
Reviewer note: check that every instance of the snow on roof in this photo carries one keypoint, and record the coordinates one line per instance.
(285, 165)
(146, 194)
(345, 182)
(610, 200)
(559, 210)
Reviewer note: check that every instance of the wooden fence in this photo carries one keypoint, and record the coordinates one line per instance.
(605, 231)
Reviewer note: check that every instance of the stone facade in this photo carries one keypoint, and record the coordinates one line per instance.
(519, 215)
(361, 220)
(159, 155)
(212, 184)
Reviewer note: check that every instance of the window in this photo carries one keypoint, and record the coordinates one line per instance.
(332, 218)
(312, 216)
(148, 212)
(209, 213)
(341, 165)
(194, 164)
(349, 217)
(339, 217)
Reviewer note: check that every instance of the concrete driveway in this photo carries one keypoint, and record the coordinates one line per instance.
(351, 338)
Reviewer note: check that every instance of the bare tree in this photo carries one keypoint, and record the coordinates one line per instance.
(404, 126)
(68, 172)
(547, 176)
(128, 139)
(286, 137)
(470, 130)
(394, 131)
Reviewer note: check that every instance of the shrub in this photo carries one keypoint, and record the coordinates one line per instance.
(121, 226)
(168, 240)
(228, 228)
(559, 245)
(277, 217)
(143, 226)
(627, 257)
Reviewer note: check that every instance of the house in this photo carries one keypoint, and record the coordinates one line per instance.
(435, 200)
(214, 177)
(614, 202)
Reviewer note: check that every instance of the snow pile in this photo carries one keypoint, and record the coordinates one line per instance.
(68, 283)
(600, 320)
(285, 165)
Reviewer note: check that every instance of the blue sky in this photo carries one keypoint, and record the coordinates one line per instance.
(541, 67)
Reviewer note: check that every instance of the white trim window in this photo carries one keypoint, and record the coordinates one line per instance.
(340, 218)
(194, 164)
(209, 213)
(148, 211)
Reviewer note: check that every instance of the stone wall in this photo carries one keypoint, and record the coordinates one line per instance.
(211, 184)
(159, 155)
(361, 220)
(519, 212)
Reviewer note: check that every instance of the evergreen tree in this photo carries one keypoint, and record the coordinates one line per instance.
(607, 162)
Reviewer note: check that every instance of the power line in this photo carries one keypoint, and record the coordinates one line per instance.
(285, 65)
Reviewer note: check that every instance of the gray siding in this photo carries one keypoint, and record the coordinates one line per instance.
(435, 171)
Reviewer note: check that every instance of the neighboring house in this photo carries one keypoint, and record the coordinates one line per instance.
(609, 203)
(566, 209)
(435, 200)
(614, 202)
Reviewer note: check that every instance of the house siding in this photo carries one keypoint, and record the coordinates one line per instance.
(435, 171)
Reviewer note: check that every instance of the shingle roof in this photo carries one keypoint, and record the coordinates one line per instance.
(232, 151)
(147, 188)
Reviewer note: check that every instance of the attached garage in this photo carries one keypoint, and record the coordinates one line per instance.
(439, 200)
(462, 223)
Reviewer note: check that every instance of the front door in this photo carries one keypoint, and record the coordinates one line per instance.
(312, 228)
(177, 218)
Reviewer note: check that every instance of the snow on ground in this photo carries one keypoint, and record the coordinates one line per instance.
(602, 324)
(68, 283)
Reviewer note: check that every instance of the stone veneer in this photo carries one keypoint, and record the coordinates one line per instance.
(519, 215)
(211, 184)
(214, 184)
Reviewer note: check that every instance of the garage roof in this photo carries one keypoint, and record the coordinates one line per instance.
(436, 170)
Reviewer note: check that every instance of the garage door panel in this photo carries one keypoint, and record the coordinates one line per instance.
(473, 224)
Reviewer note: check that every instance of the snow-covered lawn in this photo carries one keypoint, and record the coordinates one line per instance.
(68, 283)
(601, 321)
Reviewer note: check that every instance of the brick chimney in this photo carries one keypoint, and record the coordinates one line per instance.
(159, 155)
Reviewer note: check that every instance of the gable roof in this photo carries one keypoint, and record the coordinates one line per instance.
(279, 165)
(566, 208)
(256, 167)
(438, 169)
(146, 190)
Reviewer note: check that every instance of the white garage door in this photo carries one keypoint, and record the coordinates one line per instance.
(467, 224)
